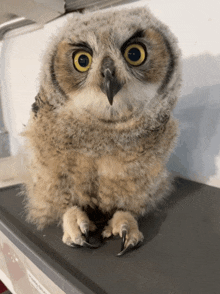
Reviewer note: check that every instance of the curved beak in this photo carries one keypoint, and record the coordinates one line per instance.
(110, 86)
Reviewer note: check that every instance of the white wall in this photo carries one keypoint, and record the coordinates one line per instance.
(195, 22)
(197, 25)
(20, 66)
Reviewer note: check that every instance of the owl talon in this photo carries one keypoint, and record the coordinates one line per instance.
(88, 245)
(126, 249)
(126, 226)
(87, 235)
(76, 227)
(129, 247)
(84, 244)
(74, 245)
(124, 233)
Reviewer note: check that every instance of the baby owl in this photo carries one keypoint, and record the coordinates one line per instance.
(101, 129)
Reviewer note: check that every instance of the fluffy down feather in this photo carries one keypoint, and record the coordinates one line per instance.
(87, 154)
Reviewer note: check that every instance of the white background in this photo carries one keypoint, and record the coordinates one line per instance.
(197, 26)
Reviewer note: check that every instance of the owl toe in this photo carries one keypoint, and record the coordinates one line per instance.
(107, 232)
(126, 226)
(76, 227)
(130, 241)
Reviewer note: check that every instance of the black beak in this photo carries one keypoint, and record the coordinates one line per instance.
(110, 85)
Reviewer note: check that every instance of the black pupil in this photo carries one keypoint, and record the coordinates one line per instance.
(134, 54)
(83, 60)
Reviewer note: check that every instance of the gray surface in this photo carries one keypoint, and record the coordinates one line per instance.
(180, 254)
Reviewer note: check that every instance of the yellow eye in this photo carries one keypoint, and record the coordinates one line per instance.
(82, 61)
(135, 54)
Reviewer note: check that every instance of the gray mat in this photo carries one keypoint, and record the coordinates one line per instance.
(180, 254)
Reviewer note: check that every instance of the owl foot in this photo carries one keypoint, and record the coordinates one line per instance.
(132, 243)
(76, 227)
(124, 225)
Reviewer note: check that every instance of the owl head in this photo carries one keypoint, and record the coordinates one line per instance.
(112, 65)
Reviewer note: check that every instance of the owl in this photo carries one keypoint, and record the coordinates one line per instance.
(101, 129)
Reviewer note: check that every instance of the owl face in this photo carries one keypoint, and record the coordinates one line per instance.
(113, 64)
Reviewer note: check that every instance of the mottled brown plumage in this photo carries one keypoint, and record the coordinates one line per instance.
(86, 153)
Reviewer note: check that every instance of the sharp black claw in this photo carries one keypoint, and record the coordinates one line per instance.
(125, 250)
(87, 235)
(124, 232)
(85, 244)
(75, 245)
(88, 245)
(131, 246)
